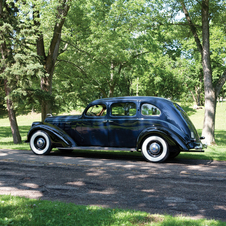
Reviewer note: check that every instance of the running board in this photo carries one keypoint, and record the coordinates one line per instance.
(97, 148)
(194, 151)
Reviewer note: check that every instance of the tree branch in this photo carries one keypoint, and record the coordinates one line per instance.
(220, 83)
(85, 74)
(55, 42)
(40, 39)
(193, 28)
(83, 51)
(199, 2)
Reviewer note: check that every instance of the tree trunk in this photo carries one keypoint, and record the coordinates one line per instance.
(111, 84)
(12, 116)
(210, 95)
(195, 98)
(209, 89)
(46, 85)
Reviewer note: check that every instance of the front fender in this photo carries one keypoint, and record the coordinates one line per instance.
(58, 136)
(174, 140)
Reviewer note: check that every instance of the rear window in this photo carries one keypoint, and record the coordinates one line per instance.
(149, 110)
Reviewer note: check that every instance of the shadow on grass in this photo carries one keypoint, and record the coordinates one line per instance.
(6, 139)
(3, 112)
(220, 137)
(5, 131)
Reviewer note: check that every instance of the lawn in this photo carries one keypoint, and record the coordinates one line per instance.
(22, 211)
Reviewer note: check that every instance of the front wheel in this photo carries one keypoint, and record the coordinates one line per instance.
(40, 143)
(155, 149)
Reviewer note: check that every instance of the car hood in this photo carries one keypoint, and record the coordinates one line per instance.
(63, 118)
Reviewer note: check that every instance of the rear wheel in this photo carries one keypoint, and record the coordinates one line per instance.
(40, 143)
(155, 149)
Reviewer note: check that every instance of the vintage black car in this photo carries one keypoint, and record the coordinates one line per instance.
(155, 126)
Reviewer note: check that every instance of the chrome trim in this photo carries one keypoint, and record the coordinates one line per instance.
(200, 146)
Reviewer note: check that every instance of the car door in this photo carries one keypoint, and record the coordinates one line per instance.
(93, 127)
(123, 124)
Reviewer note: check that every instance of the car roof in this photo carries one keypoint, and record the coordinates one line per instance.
(131, 98)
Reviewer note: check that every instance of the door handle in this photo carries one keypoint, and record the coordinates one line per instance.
(107, 121)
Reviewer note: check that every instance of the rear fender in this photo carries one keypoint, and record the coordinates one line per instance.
(174, 141)
(59, 138)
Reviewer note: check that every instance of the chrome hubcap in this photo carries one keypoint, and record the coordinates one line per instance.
(41, 142)
(155, 148)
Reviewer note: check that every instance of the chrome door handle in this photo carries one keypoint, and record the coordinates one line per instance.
(107, 121)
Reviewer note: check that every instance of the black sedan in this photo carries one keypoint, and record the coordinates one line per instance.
(155, 126)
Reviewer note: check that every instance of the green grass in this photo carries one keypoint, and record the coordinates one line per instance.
(24, 123)
(22, 211)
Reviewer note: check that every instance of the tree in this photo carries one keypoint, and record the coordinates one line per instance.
(49, 57)
(7, 17)
(211, 90)
(105, 48)
(20, 68)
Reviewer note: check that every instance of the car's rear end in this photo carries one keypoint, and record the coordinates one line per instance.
(193, 140)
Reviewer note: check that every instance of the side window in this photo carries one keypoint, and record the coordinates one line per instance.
(96, 110)
(123, 109)
(149, 109)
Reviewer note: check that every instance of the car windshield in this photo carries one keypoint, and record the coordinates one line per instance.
(96, 110)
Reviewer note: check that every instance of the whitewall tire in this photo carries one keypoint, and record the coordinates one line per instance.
(40, 143)
(155, 149)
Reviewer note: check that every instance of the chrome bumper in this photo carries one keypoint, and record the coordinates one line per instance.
(200, 146)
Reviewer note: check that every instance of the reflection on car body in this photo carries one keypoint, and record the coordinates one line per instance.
(157, 127)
